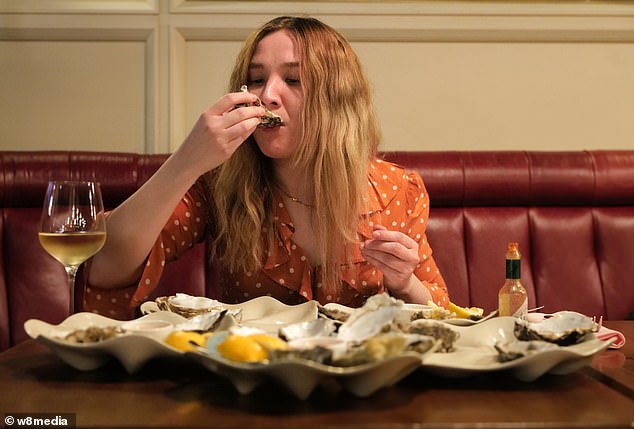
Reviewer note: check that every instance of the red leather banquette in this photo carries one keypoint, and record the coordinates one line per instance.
(571, 212)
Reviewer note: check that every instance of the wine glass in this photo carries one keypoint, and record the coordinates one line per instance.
(73, 226)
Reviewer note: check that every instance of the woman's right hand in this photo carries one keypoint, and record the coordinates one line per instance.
(220, 130)
(215, 136)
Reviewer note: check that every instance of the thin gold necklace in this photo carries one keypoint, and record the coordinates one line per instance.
(295, 200)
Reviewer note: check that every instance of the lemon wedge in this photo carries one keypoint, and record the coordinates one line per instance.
(249, 348)
(182, 340)
(473, 313)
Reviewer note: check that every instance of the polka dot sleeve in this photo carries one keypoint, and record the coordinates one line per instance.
(417, 202)
(185, 227)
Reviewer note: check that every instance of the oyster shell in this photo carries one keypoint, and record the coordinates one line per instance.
(438, 330)
(187, 305)
(213, 320)
(331, 313)
(93, 334)
(432, 312)
(365, 322)
(563, 328)
(516, 349)
(318, 354)
(269, 119)
(384, 346)
(319, 327)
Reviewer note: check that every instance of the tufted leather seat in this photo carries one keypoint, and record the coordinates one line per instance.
(571, 212)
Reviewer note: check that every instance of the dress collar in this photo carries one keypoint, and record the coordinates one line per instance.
(383, 181)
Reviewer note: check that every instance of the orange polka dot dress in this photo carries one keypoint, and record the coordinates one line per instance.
(398, 201)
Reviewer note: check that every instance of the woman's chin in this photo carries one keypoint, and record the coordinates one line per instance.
(275, 148)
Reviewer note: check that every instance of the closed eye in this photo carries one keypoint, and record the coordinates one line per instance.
(255, 82)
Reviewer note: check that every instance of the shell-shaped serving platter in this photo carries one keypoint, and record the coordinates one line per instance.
(301, 376)
(264, 312)
(474, 352)
(133, 350)
(410, 309)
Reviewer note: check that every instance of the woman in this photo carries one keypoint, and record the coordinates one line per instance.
(299, 211)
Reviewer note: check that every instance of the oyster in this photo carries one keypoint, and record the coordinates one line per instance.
(187, 305)
(319, 327)
(433, 312)
(516, 349)
(318, 354)
(365, 322)
(332, 313)
(384, 346)
(213, 320)
(269, 119)
(438, 330)
(93, 334)
(563, 328)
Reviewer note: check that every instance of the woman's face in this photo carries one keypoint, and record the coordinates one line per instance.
(274, 77)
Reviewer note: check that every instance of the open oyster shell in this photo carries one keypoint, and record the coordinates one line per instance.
(364, 322)
(563, 328)
(214, 320)
(512, 350)
(93, 334)
(187, 305)
(334, 314)
(269, 119)
(433, 328)
(384, 346)
(432, 312)
(319, 327)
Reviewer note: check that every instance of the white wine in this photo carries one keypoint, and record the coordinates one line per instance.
(72, 248)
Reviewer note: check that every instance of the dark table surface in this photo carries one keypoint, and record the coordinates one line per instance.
(176, 393)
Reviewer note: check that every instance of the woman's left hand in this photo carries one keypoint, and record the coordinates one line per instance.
(395, 254)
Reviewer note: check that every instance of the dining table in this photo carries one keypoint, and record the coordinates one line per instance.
(176, 393)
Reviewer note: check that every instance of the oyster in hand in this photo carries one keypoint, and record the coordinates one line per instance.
(269, 119)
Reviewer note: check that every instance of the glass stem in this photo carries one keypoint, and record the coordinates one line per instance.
(71, 271)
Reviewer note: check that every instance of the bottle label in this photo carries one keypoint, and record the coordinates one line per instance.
(512, 268)
(512, 303)
(522, 310)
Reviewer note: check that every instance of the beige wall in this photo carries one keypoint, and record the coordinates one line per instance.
(133, 75)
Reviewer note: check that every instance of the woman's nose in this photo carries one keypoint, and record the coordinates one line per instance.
(271, 93)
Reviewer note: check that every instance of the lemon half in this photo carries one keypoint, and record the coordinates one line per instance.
(473, 313)
(182, 340)
(249, 348)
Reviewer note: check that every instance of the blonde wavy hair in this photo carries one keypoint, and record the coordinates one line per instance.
(340, 137)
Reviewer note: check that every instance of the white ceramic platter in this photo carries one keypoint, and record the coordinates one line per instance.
(475, 353)
(264, 312)
(133, 350)
(409, 309)
(302, 376)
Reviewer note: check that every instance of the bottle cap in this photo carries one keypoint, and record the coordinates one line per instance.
(513, 250)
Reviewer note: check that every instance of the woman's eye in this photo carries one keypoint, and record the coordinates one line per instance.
(292, 81)
(255, 82)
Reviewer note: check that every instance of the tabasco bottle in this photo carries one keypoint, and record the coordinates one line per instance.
(512, 298)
